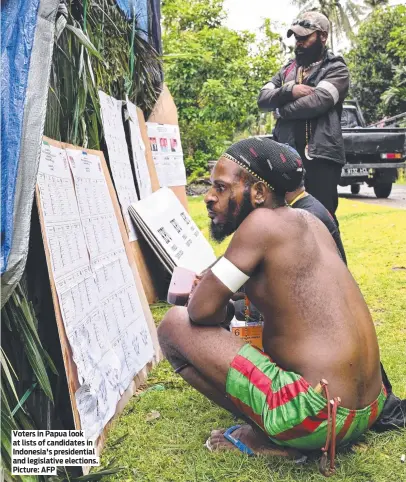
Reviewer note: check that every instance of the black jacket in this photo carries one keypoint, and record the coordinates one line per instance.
(322, 108)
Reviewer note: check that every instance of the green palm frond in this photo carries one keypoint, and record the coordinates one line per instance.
(109, 53)
(19, 315)
(7, 425)
(8, 368)
(84, 40)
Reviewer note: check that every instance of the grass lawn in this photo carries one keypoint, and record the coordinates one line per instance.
(401, 176)
(170, 448)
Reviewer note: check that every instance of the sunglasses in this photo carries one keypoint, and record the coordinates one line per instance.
(305, 24)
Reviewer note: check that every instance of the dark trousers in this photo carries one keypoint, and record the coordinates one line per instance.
(321, 181)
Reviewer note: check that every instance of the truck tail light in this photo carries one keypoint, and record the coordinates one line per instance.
(392, 155)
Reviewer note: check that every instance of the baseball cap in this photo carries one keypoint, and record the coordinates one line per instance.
(308, 23)
(277, 165)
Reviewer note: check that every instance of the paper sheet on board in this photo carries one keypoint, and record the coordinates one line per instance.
(100, 306)
(111, 112)
(167, 153)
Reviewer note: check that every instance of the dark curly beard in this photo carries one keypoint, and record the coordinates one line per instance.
(310, 54)
(235, 216)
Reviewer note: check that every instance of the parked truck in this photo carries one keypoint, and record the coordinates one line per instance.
(373, 154)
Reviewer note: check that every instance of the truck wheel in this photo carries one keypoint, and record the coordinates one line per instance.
(355, 188)
(383, 190)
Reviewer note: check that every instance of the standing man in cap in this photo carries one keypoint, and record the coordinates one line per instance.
(307, 95)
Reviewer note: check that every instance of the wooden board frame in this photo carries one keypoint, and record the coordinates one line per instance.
(70, 366)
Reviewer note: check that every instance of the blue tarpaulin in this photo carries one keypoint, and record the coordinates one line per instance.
(28, 33)
(140, 9)
(18, 22)
(156, 25)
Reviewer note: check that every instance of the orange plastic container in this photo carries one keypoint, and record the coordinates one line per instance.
(251, 334)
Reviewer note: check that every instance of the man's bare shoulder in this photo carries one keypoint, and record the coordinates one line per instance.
(280, 224)
(279, 216)
(259, 218)
(268, 223)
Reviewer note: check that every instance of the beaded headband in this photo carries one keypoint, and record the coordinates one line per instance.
(244, 166)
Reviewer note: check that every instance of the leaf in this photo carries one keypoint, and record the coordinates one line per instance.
(90, 68)
(20, 316)
(23, 420)
(119, 440)
(159, 388)
(152, 416)
(360, 447)
(6, 319)
(84, 40)
(81, 61)
(5, 364)
(28, 311)
(7, 425)
(98, 475)
(60, 26)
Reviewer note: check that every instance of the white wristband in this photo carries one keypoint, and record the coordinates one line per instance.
(229, 274)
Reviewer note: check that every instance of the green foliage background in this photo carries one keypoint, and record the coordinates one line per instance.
(215, 75)
(377, 62)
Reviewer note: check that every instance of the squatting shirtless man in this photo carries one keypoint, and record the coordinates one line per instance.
(317, 326)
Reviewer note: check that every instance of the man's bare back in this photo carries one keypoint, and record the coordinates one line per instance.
(317, 326)
(312, 305)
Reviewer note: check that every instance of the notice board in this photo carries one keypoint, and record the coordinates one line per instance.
(124, 182)
(106, 330)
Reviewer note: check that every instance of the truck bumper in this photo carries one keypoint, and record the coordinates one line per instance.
(376, 165)
(372, 174)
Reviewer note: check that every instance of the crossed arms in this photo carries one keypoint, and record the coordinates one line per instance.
(302, 101)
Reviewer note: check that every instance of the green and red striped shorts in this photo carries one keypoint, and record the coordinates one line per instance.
(286, 407)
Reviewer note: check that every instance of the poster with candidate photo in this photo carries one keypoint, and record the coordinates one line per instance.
(167, 153)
